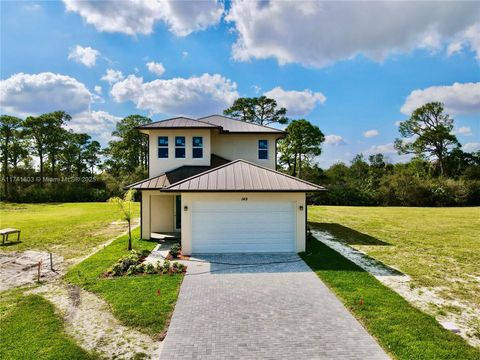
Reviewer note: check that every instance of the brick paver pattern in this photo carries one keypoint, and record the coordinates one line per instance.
(279, 310)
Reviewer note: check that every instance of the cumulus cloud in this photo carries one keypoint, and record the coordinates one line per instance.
(112, 76)
(98, 89)
(471, 147)
(34, 94)
(464, 130)
(139, 17)
(334, 140)
(297, 103)
(370, 133)
(202, 95)
(320, 33)
(457, 98)
(84, 55)
(469, 38)
(156, 68)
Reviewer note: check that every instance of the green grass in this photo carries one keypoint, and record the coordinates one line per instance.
(436, 247)
(68, 229)
(142, 302)
(405, 332)
(31, 329)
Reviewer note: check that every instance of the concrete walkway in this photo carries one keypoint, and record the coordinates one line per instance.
(274, 307)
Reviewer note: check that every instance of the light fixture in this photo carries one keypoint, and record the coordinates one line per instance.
(185, 208)
(300, 208)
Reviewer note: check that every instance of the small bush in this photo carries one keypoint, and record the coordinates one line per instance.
(150, 268)
(175, 251)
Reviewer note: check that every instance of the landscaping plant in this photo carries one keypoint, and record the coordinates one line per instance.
(125, 205)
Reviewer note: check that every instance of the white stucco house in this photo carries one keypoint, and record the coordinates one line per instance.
(213, 181)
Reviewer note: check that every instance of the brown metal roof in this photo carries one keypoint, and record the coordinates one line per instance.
(176, 123)
(222, 123)
(241, 175)
(171, 177)
(237, 126)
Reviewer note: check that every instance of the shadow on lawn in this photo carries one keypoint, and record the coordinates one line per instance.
(10, 243)
(348, 235)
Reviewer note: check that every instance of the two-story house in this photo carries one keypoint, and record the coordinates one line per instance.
(214, 181)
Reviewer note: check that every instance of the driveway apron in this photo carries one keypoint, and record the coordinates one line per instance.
(269, 306)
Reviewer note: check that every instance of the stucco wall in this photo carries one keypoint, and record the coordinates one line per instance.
(160, 166)
(189, 198)
(244, 146)
(157, 213)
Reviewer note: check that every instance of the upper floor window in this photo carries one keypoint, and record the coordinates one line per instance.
(180, 147)
(197, 147)
(163, 147)
(263, 149)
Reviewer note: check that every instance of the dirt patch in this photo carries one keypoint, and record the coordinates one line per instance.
(460, 316)
(89, 321)
(21, 268)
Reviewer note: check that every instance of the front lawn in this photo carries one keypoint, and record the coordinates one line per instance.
(144, 302)
(68, 229)
(437, 247)
(405, 332)
(31, 329)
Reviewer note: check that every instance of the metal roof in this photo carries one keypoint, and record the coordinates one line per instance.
(171, 177)
(238, 126)
(241, 175)
(176, 123)
(222, 123)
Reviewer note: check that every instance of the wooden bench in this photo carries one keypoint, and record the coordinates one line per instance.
(6, 232)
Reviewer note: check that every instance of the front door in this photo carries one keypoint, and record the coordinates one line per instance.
(178, 212)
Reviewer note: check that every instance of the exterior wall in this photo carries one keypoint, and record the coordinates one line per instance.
(159, 166)
(189, 198)
(244, 146)
(157, 213)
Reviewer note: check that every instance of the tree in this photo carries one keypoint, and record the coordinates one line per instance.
(430, 130)
(259, 110)
(56, 135)
(92, 151)
(125, 206)
(303, 141)
(38, 134)
(8, 127)
(131, 151)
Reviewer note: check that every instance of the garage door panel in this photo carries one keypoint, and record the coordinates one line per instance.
(243, 227)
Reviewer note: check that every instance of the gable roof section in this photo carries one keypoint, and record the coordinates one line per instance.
(242, 176)
(237, 126)
(222, 123)
(171, 177)
(177, 123)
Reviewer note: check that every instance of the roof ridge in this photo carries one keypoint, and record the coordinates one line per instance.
(173, 118)
(247, 122)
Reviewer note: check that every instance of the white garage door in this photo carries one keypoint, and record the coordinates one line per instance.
(223, 227)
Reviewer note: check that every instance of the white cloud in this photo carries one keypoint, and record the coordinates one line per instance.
(112, 76)
(34, 94)
(319, 33)
(370, 133)
(334, 140)
(471, 147)
(139, 17)
(464, 130)
(32, 7)
(98, 124)
(468, 38)
(156, 68)
(184, 54)
(297, 103)
(98, 89)
(202, 95)
(457, 98)
(84, 55)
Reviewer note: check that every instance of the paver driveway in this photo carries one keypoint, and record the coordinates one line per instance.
(273, 308)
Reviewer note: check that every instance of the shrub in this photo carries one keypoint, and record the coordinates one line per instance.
(175, 251)
(150, 268)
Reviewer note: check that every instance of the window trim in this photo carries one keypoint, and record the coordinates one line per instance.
(197, 147)
(184, 147)
(263, 149)
(162, 147)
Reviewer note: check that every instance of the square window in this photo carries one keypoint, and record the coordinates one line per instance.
(163, 152)
(163, 141)
(180, 153)
(263, 144)
(263, 154)
(179, 140)
(197, 141)
(197, 153)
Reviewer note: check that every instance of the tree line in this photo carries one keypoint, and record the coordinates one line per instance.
(43, 161)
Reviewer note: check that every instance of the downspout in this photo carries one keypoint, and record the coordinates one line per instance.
(141, 215)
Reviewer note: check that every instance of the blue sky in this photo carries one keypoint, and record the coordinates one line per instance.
(353, 69)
